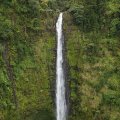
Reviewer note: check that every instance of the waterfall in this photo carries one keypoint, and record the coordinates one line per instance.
(61, 108)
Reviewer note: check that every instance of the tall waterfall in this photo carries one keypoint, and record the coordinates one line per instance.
(61, 107)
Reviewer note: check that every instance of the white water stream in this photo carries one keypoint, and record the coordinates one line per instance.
(61, 108)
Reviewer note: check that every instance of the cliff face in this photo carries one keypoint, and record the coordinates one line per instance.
(33, 69)
(93, 73)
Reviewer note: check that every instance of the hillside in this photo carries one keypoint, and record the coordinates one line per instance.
(28, 58)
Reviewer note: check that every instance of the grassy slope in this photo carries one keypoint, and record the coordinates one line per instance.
(94, 74)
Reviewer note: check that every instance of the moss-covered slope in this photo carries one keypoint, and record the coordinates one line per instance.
(33, 68)
(94, 74)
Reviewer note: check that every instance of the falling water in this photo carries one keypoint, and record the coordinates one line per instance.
(60, 78)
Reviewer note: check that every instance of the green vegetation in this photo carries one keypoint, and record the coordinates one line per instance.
(93, 54)
(27, 42)
(27, 58)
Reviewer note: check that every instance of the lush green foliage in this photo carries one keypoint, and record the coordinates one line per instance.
(26, 43)
(94, 74)
(93, 55)
(27, 58)
(97, 15)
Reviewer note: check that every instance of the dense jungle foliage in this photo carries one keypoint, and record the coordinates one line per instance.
(28, 51)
